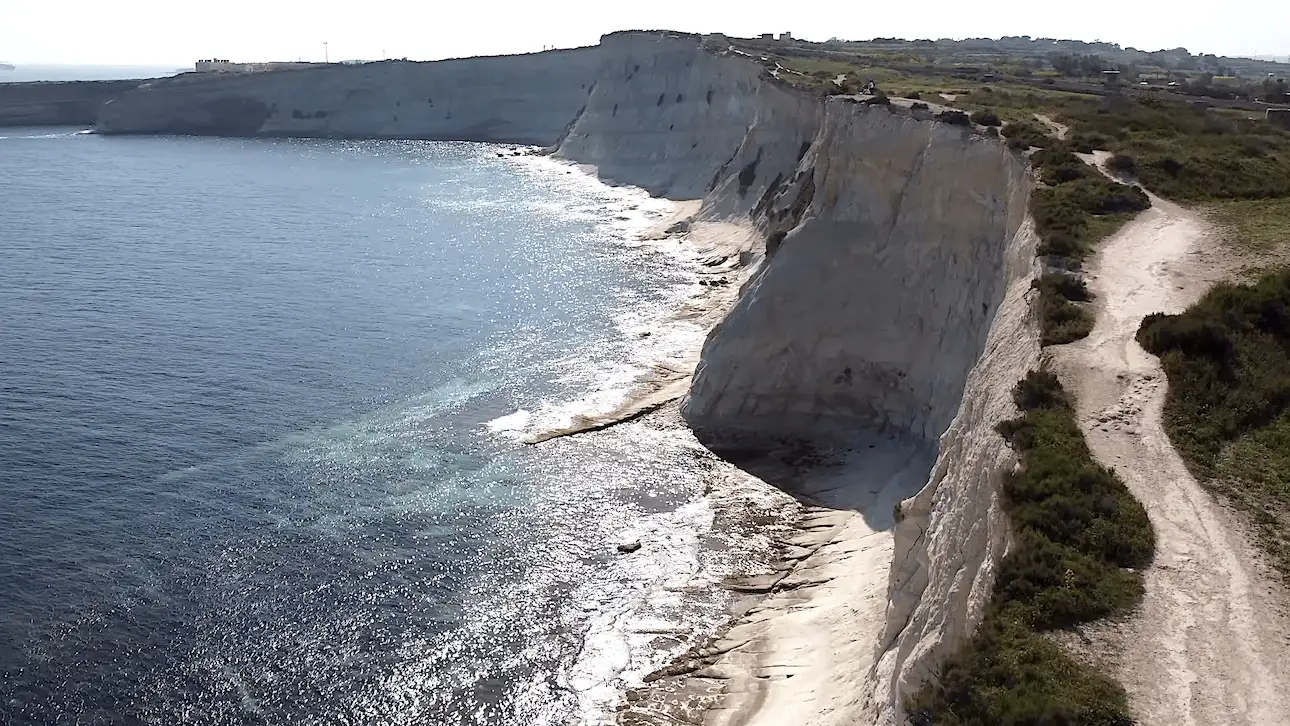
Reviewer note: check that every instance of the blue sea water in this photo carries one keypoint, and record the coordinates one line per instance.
(258, 406)
(26, 72)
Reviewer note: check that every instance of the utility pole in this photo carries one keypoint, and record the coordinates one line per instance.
(326, 57)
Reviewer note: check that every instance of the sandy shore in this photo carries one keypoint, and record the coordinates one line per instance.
(818, 614)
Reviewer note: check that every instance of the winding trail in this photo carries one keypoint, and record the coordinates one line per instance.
(1210, 644)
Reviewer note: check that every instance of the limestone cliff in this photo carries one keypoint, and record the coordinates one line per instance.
(527, 99)
(890, 298)
(71, 103)
(888, 303)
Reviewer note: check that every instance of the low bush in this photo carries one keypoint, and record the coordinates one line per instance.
(957, 118)
(1123, 164)
(1061, 319)
(1228, 406)
(914, 95)
(918, 106)
(1076, 207)
(1078, 531)
(986, 118)
(1088, 142)
(1022, 132)
(1065, 213)
(1226, 358)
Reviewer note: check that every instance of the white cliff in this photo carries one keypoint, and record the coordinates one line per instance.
(524, 99)
(883, 312)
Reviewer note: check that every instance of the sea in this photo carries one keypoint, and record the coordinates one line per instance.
(263, 410)
(54, 72)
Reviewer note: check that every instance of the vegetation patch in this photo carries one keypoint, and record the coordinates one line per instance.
(1186, 152)
(1024, 134)
(986, 118)
(1228, 408)
(956, 118)
(1259, 225)
(1062, 319)
(1080, 539)
(1074, 207)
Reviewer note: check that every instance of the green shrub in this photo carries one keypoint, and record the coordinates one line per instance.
(1064, 213)
(1061, 320)
(1228, 362)
(1009, 675)
(1088, 142)
(1123, 163)
(986, 118)
(1078, 529)
(956, 118)
(1022, 132)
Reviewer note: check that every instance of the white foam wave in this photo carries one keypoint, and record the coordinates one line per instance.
(510, 424)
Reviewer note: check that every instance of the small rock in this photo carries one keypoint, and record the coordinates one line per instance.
(679, 228)
(629, 547)
(646, 334)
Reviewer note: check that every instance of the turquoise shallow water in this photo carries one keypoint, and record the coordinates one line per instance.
(246, 457)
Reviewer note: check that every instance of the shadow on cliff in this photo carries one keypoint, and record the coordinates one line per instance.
(870, 476)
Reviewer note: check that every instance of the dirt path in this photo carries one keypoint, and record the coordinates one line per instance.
(1210, 644)
(1058, 130)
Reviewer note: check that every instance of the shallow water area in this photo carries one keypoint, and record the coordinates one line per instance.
(260, 403)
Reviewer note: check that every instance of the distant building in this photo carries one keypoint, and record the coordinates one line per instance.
(1111, 81)
(224, 65)
(767, 36)
(785, 36)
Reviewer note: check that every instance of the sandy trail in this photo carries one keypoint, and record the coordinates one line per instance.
(1058, 130)
(1209, 645)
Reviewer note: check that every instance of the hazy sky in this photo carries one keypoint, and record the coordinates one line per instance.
(176, 32)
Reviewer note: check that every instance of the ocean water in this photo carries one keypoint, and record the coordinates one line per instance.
(260, 403)
(47, 72)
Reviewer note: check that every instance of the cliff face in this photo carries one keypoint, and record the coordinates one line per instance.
(888, 303)
(527, 99)
(681, 122)
(890, 300)
(897, 263)
(74, 103)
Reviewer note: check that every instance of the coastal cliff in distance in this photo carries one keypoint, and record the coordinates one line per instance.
(884, 310)
(63, 103)
(527, 99)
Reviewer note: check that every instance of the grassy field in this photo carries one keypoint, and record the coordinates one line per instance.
(1081, 538)
(1256, 225)
(1179, 151)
